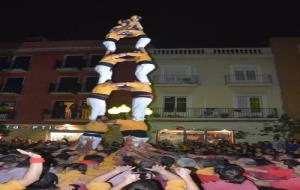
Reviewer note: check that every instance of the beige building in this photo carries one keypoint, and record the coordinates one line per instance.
(234, 89)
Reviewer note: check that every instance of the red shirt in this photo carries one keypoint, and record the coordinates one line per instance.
(289, 184)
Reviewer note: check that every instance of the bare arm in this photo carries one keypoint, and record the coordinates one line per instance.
(162, 171)
(185, 174)
(34, 171)
(106, 176)
(130, 178)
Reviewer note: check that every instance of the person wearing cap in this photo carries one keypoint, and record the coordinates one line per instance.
(97, 99)
(144, 65)
(105, 65)
(141, 97)
(94, 130)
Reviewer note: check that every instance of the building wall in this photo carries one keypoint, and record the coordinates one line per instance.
(211, 69)
(287, 60)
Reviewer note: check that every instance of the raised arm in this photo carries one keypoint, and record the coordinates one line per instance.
(35, 169)
(185, 174)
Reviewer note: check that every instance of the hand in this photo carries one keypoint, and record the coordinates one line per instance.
(157, 168)
(183, 172)
(121, 169)
(68, 188)
(30, 154)
(130, 178)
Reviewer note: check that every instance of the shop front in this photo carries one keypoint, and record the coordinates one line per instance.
(177, 137)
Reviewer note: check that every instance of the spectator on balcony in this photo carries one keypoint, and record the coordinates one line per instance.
(85, 111)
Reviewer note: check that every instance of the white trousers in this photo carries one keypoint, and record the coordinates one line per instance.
(143, 70)
(110, 45)
(142, 42)
(139, 106)
(105, 73)
(98, 108)
(96, 140)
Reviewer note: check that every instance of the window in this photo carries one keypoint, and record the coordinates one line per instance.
(94, 60)
(172, 103)
(21, 62)
(175, 74)
(4, 63)
(254, 103)
(13, 85)
(7, 109)
(245, 73)
(90, 83)
(68, 84)
(74, 61)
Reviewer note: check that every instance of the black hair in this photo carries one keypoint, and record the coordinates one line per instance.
(77, 166)
(145, 164)
(63, 156)
(291, 163)
(96, 158)
(128, 160)
(166, 161)
(47, 180)
(262, 162)
(232, 173)
(143, 185)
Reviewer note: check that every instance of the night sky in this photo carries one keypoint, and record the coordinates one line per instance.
(177, 23)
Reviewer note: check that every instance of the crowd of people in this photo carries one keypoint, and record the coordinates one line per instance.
(64, 165)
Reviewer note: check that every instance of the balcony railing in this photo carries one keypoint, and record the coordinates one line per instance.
(216, 113)
(56, 88)
(7, 115)
(175, 79)
(257, 79)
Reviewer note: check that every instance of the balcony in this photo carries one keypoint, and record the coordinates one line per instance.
(76, 66)
(7, 115)
(167, 80)
(62, 115)
(256, 80)
(57, 88)
(217, 113)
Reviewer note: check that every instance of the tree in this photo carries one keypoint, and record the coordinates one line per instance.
(285, 127)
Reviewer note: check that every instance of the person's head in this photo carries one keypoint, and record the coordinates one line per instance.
(77, 166)
(143, 185)
(166, 161)
(96, 158)
(143, 165)
(47, 180)
(232, 174)
(186, 162)
(135, 18)
(291, 163)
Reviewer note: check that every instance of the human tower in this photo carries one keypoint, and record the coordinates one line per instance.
(140, 89)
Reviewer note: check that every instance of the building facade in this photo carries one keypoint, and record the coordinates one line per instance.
(44, 86)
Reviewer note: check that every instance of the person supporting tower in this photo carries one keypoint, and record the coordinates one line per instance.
(94, 131)
(105, 65)
(144, 65)
(141, 97)
(130, 128)
(97, 99)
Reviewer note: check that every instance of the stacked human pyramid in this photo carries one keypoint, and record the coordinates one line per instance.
(141, 91)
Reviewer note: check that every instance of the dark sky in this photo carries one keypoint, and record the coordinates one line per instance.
(170, 23)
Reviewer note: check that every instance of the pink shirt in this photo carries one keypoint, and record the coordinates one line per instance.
(223, 185)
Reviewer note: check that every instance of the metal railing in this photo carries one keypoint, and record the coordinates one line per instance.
(175, 79)
(256, 79)
(7, 115)
(215, 113)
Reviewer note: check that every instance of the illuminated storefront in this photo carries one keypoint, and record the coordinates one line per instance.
(198, 136)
